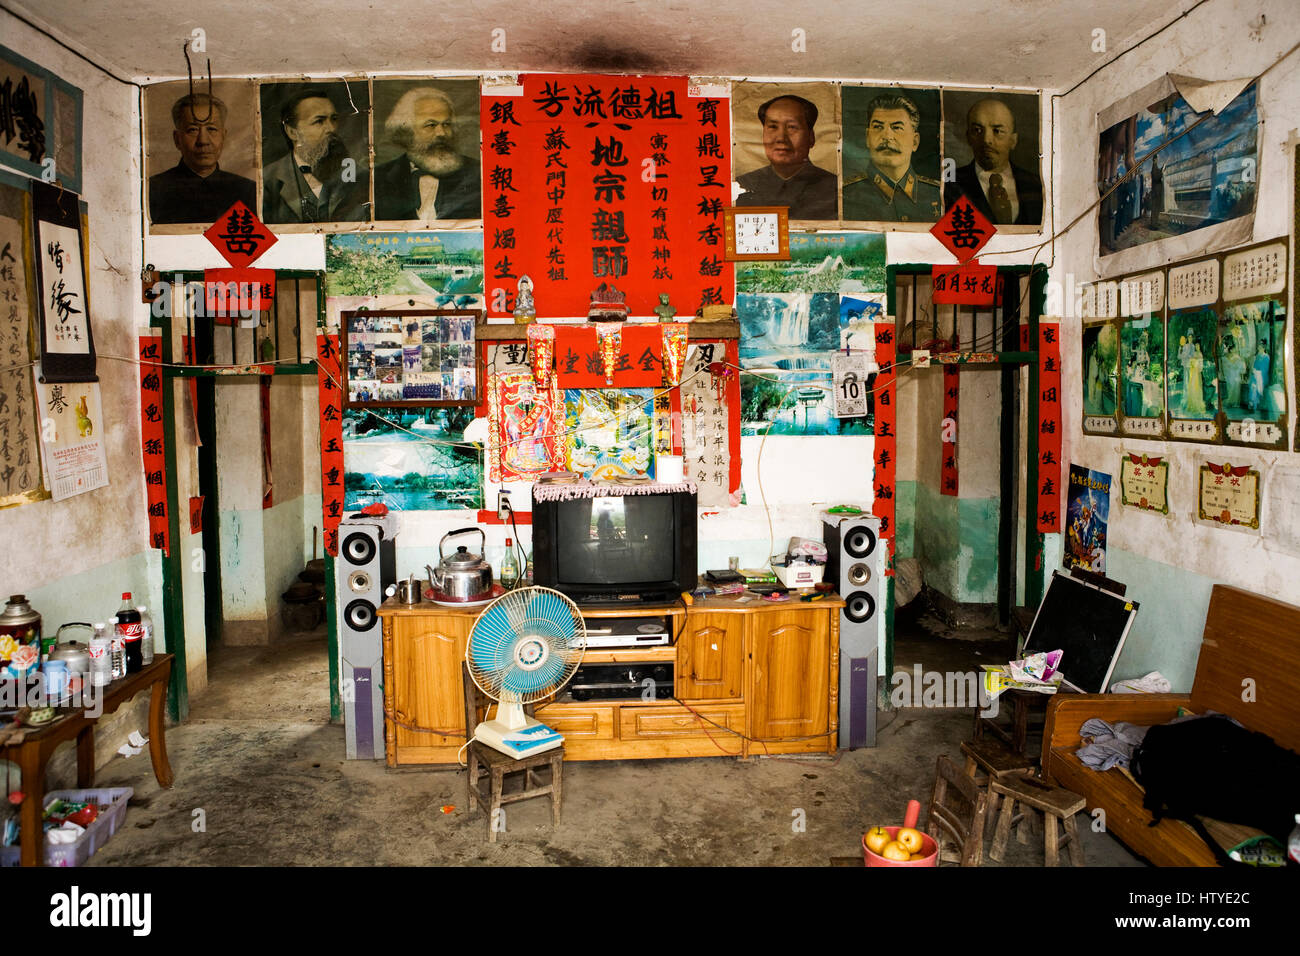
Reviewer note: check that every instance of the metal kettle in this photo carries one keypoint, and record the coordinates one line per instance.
(75, 653)
(461, 576)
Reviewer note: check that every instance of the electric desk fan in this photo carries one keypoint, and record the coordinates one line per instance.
(522, 649)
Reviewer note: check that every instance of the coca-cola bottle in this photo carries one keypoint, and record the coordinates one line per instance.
(131, 630)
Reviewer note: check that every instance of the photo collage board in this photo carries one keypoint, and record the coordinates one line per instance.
(1194, 352)
(420, 357)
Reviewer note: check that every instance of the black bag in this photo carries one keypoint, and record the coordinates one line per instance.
(1214, 767)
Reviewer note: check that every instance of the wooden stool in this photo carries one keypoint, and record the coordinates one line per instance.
(1054, 803)
(998, 762)
(483, 760)
(957, 811)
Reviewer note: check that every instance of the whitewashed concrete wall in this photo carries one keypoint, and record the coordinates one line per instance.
(1171, 563)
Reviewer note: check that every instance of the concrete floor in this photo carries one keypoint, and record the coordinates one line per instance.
(260, 780)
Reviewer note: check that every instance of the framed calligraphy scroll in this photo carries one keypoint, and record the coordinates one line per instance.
(62, 281)
(40, 124)
(410, 358)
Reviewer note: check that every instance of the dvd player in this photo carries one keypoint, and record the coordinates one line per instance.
(628, 631)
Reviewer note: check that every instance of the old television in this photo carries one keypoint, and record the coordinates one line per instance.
(615, 548)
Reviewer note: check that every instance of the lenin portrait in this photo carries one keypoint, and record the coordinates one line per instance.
(992, 137)
(315, 152)
(427, 159)
(200, 151)
(786, 154)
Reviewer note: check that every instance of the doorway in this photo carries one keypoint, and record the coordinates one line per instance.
(962, 456)
(248, 498)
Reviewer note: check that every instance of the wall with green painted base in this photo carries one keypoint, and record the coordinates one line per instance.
(956, 541)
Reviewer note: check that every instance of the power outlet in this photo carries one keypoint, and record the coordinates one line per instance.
(503, 505)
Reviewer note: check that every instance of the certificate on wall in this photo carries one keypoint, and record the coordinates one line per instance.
(74, 457)
(1144, 483)
(1228, 494)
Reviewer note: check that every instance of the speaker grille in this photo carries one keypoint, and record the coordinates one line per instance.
(358, 548)
(859, 606)
(859, 542)
(360, 615)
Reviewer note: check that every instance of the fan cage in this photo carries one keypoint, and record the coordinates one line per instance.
(526, 645)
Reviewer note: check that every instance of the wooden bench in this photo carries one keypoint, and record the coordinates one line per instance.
(1248, 668)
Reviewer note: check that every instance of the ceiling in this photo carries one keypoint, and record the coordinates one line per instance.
(1039, 44)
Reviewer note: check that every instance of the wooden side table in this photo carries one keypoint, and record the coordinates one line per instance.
(33, 751)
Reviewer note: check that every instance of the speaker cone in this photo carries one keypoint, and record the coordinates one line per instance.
(359, 548)
(859, 542)
(859, 574)
(360, 582)
(360, 615)
(859, 606)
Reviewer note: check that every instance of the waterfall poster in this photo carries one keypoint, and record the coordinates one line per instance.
(787, 342)
(1086, 516)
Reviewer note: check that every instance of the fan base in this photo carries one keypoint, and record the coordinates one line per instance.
(533, 738)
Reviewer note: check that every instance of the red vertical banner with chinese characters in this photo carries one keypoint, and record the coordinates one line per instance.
(1049, 427)
(885, 449)
(948, 431)
(605, 179)
(151, 440)
(328, 378)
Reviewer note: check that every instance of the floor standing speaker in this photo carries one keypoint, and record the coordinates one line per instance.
(365, 567)
(855, 565)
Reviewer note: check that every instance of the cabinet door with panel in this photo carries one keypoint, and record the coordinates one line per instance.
(789, 675)
(427, 696)
(711, 657)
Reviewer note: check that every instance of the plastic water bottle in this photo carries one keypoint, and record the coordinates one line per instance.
(101, 656)
(509, 567)
(128, 625)
(146, 637)
(117, 654)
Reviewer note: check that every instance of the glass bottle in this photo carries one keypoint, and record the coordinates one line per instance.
(509, 567)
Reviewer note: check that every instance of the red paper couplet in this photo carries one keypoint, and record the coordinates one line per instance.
(328, 377)
(628, 176)
(948, 433)
(152, 447)
(971, 284)
(1048, 486)
(963, 230)
(196, 514)
(885, 450)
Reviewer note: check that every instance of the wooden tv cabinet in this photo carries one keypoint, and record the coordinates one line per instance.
(751, 678)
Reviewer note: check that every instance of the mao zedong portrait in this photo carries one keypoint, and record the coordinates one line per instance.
(891, 190)
(316, 181)
(431, 179)
(1006, 193)
(790, 179)
(197, 189)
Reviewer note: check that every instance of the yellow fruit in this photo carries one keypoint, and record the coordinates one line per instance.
(917, 856)
(877, 837)
(895, 851)
(911, 839)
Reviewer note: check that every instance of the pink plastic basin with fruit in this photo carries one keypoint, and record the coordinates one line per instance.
(929, 851)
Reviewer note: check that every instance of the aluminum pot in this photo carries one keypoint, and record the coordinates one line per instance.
(461, 576)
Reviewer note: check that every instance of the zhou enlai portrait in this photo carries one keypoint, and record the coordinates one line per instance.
(200, 155)
(891, 154)
(991, 140)
(315, 152)
(427, 161)
(786, 136)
